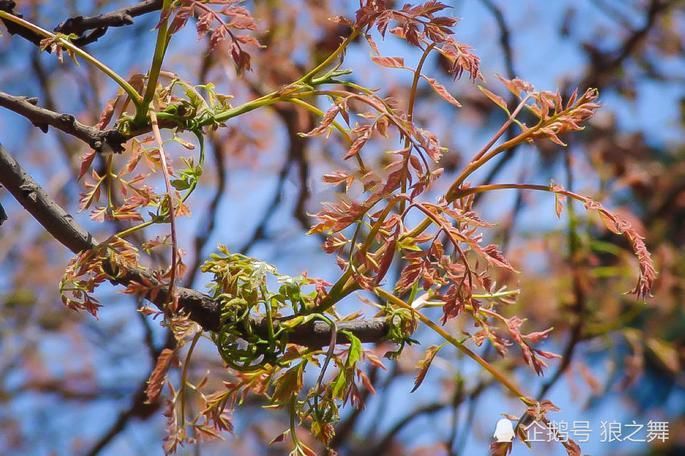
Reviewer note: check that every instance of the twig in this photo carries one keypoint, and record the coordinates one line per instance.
(171, 209)
(383, 445)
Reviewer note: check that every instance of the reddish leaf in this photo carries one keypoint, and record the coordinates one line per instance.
(359, 142)
(158, 375)
(86, 162)
(499, 101)
(495, 256)
(389, 62)
(386, 261)
(572, 448)
(425, 364)
(442, 91)
(326, 122)
(500, 448)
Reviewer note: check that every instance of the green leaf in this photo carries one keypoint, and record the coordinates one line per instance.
(408, 243)
(355, 351)
(180, 184)
(338, 384)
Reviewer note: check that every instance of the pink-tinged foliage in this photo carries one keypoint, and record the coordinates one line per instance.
(220, 25)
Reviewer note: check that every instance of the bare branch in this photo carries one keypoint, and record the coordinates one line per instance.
(139, 406)
(42, 118)
(100, 23)
(14, 29)
(48, 213)
(96, 25)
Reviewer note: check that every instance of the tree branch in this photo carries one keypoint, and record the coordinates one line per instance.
(42, 118)
(100, 23)
(201, 308)
(79, 25)
(14, 29)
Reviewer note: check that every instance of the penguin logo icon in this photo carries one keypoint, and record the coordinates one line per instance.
(504, 431)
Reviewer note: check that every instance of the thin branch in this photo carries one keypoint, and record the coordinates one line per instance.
(504, 36)
(385, 443)
(67, 392)
(603, 65)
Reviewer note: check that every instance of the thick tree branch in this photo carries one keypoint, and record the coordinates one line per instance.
(98, 25)
(34, 199)
(14, 29)
(88, 28)
(201, 308)
(42, 118)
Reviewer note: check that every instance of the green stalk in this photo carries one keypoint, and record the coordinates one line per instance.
(133, 229)
(278, 95)
(184, 376)
(266, 100)
(157, 60)
(314, 71)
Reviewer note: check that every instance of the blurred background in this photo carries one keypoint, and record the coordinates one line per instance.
(71, 384)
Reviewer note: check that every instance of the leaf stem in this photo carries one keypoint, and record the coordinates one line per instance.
(184, 376)
(314, 71)
(499, 376)
(133, 229)
(172, 215)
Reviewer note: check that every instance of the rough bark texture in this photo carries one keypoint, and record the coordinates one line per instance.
(42, 118)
